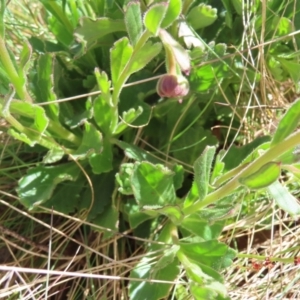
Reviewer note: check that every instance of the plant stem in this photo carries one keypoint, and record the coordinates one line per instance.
(124, 76)
(125, 73)
(227, 189)
(12, 73)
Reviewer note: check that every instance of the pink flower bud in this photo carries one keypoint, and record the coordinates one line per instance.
(172, 86)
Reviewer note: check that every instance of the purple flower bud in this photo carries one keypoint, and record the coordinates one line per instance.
(172, 86)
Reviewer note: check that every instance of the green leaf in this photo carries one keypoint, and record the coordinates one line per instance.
(144, 56)
(53, 155)
(167, 258)
(91, 142)
(57, 11)
(290, 157)
(282, 26)
(218, 167)
(103, 114)
(98, 200)
(62, 35)
(24, 61)
(179, 176)
(136, 153)
(288, 124)
(236, 155)
(238, 6)
(262, 178)
(70, 192)
(135, 217)
(292, 68)
(199, 227)
(44, 85)
(102, 162)
(152, 185)
(133, 21)
(284, 199)
(154, 17)
(120, 55)
(192, 196)
(123, 178)
(38, 185)
(145, 270)
(202, 16)
(205, 277)
(35, 115)
(103, 84)
(173, 212)
(173, 12)
(202, 168)
(25, 138)
(211, 253)
(207, 77)
(109, 220)
(127, 118)
(92, 30)
(187, 147)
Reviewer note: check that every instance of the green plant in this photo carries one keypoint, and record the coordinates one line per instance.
(99, 47)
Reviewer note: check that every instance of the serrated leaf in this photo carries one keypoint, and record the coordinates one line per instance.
(133, 21)
(92, 30)
(53, 155)
(127, 118)
(120, 55)
(154, 17)
(123, 178)
(103, 84)
(22, 137)
(202, 16)
(284, 199)
(37, 186)
(262, 178)
(102, 162)
(173, 12)
(103, 114)
(44, 85)
(91, 142)
(136, 153)
(202, 168)
(34, 112)
(152, 185)
(288, 123)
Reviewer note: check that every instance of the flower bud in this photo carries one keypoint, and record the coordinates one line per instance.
(172, 86)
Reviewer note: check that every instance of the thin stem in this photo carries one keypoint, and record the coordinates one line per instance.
(227, 189)
(12, 73)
